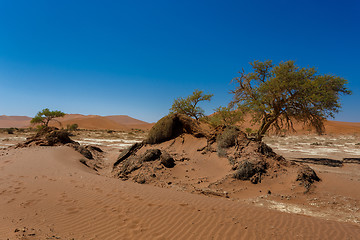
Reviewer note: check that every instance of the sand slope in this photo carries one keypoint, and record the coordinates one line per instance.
(14, 121)
(93, 122)
(46, 191)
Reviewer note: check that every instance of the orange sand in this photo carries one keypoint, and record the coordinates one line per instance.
(47, 192)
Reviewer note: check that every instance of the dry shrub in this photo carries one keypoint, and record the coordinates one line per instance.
(228, 137)
(250, 171)
(172, 126)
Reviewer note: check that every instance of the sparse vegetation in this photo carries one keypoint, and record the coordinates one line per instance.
(45, 116)
(72, 127)
(275, 95)
(224, 116)
(250, 171)
(228, 137)
(172, 126)
(10, 130)
(189, 105)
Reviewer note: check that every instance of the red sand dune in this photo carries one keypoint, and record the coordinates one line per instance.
(331, 127)
(94, 122)
(14, 121)
(91, 122)
(46, 193)
(123, 122)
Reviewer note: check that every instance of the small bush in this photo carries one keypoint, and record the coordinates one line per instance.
(72, 127)
(10, 130)
(228, 137)
(221, 152)
(172, 126)
(250, 171)
(245, 171)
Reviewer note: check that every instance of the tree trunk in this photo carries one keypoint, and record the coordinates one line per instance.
(265, 125)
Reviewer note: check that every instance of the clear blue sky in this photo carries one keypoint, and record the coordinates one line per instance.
(136, 57)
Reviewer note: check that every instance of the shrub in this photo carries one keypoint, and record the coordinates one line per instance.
(10, 130)
(172, 126)
(228, 137)
(72, 127)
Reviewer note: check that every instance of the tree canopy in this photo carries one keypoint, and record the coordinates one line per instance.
(45, 116)
(225, 116)
(189, 105)
(275, 95)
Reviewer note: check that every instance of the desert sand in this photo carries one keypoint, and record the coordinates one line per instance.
(47, 193)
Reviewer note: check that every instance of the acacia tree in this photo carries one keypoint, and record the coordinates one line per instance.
(189, 105)
(45, 116)
(276, 95)
(225, 116)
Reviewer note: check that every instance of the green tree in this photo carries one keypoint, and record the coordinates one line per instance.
(189, 105)
(72, 127)
(225, 116)
(45, 116)
(276, 95)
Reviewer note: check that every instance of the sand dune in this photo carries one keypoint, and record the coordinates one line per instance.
(46, 193)
(331, 127)
(93, 122)
(123, 122)
(14, 121)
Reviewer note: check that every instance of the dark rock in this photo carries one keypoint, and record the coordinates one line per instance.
(94, 148)
(83, 161)
(167, 160)
(82, 150)
(150, 155)
(128, 152)
(307, 176)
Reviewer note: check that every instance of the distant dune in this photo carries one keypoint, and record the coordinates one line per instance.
(130, 122)
(14, 121)
(124, 122)
(331, 127)
(93, 122)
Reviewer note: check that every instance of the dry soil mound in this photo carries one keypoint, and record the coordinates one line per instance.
(51, 136)
(178, 151)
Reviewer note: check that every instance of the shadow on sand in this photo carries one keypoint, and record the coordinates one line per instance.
(320, 161)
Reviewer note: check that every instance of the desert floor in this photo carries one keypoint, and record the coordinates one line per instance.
(46, 193)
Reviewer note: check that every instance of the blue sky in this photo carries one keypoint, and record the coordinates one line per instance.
(136, 57)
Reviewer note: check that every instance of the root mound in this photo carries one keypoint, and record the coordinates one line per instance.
(48, 136)
(51, 136)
